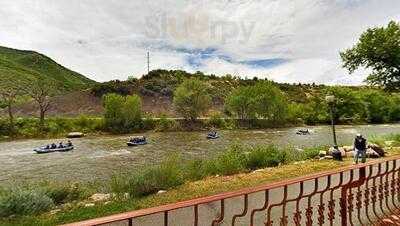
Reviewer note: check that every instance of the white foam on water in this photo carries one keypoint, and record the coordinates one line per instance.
(112, 153)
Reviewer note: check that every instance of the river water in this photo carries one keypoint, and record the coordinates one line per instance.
(98, 157)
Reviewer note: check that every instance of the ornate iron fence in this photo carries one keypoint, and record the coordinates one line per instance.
(362, 194)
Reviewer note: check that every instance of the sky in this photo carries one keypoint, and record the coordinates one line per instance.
(283, 40)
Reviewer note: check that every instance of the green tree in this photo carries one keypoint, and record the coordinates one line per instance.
(349, 104)
(395, 108)
(263, 100)
(377, 49)
(191, 99)
(241, 103)
(113, 111)
(122, 114)
(378, 106)
(133, 112)
(270, 102)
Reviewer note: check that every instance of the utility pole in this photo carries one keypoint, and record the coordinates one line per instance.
(148, 62)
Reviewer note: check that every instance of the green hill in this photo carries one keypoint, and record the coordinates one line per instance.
(24, 66)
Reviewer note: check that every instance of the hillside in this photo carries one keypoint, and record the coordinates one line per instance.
(156, 90)
(24, 66)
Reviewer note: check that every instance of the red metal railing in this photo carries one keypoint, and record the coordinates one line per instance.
(355, 195)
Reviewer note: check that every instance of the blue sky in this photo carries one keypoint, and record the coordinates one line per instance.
(285, 40)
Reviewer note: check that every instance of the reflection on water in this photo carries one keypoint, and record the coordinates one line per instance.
(99, 157)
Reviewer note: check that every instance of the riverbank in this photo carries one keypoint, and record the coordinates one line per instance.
(28, 128)
(231, 173)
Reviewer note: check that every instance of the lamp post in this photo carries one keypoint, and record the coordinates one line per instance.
(331, 100)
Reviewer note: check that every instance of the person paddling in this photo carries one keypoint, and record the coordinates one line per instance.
(360, 148)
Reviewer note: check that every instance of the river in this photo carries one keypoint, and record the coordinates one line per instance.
(98, 157)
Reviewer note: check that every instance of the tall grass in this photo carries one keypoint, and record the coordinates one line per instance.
(261, 157)
(24, 202)
(28, 200)
(150, 180)
(173, 171)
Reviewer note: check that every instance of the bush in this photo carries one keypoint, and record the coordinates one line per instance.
(195, 170)
(122, 114)
(311, 153)
(4, 127)
(165, 124)
(150, 180)
(216, 120)
(62, 193)
(261, 157)
(149, 123)
(230, 162)
(24, 202)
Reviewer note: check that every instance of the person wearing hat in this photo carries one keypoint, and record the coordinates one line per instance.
(360, 148)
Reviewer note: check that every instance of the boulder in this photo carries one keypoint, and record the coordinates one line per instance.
(322, 153)
(350, 154)
(161, 192)
(348, 148)
(329, 157)
(75, 135)
(377, 149)
(342, 151)
(100, 197)
(372, 154)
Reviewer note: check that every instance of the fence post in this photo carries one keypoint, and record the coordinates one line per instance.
(343, 197)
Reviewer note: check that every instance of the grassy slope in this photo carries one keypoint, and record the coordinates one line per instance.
(24, 66)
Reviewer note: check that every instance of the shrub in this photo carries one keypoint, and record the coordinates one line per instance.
(24, 202)
(62, 193)
(150, 180)
(261, 157)
(196, 170)
(311, 153)
(149, 123)
(122, 114)
(165, 124)
(216, 120)
(230, 162)
(4, 127)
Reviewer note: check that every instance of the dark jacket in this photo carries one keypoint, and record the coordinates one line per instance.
(360, 144)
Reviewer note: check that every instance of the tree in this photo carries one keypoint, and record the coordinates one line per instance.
(191, 99)
(263, 100)
(122, 114)
(132, 111)
(349, 103)
(41, 91)
(9, 93)
(240, 102)
(377, 49)
(270, 102)
(378, 106)
(113, 111)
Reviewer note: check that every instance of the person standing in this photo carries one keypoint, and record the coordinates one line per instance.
(360, 148)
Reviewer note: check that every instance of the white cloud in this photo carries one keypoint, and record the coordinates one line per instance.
(106, 39)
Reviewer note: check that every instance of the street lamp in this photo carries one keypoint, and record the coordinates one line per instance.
(331, 100)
